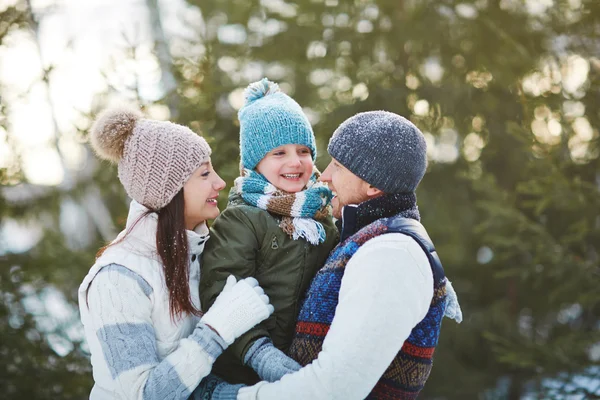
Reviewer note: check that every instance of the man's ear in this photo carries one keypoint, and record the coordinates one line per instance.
(372, 191)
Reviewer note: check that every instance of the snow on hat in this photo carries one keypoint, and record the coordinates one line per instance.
(382, 148)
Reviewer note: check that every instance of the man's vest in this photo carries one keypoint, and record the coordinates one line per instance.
(408, 372)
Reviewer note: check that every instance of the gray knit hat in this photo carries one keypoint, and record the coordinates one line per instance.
(384, 149)
(155, 158)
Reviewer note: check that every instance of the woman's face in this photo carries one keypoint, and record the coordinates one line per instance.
(200, 195)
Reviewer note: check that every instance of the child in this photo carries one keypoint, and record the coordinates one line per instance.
(277, 228)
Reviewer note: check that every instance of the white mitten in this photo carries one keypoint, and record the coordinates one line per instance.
(453, 310)
(239, 307)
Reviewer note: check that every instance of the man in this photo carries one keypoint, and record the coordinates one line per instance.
(371, 319)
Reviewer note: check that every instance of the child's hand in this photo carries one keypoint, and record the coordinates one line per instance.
(239, 307)
(214, 388)
(270, 363)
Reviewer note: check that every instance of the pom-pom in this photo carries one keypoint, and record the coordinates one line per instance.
(111, 130)
(260, 89)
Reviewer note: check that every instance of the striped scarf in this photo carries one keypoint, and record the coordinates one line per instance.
(300, 211)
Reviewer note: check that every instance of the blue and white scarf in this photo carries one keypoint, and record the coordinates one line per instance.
(300, 212)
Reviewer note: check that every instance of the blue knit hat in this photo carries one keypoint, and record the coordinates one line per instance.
(382, 148)
(270, 119)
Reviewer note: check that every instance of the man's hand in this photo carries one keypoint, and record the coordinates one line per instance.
(270, 363)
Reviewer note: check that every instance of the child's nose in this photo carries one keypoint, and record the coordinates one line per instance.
(295, 160)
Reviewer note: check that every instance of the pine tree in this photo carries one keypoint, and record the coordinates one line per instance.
(511, 195)
(42, 354)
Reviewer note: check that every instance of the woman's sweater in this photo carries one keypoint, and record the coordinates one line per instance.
(137, 350)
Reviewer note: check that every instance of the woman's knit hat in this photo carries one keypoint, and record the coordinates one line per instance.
(270, 119)
(155, 158)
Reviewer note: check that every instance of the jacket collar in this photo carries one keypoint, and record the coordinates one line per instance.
(347, 224)
(357, 216)
(142, 224)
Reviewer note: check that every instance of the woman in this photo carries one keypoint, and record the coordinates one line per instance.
(139, 303)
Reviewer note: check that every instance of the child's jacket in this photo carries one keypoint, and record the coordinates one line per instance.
(247, 241)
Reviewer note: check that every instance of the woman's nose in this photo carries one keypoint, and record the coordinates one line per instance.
(219, 183)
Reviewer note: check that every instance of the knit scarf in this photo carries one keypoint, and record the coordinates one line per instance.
(300, 212)
(385, 206)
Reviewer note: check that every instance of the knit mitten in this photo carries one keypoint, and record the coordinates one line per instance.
(238, 308)
(270, 363)
(453, 310)
(215, 388)
(250, 392)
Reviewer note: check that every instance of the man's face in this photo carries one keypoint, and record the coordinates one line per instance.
(347, 187)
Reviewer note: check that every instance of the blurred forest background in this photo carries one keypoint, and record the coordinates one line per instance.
(507, 93)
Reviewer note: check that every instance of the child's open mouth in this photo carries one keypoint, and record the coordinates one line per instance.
(293, 177)
(212, 200)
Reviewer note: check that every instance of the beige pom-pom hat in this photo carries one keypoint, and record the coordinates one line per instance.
(154, 158)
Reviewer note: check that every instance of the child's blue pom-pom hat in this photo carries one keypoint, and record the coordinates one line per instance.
(270, 119)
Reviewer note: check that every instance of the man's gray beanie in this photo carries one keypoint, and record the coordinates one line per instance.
(384, 149)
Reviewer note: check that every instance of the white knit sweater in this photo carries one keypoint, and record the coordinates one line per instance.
(386, 290)
(137, 350)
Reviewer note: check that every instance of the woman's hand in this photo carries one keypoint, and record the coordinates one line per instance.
(239, 307)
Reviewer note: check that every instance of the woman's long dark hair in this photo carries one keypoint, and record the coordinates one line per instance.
(172, 247)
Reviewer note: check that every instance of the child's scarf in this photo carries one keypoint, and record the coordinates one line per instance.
(300, 211)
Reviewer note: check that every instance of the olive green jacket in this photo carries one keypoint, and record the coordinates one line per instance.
(247, 241)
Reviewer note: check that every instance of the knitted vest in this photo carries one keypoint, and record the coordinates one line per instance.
(406, 375)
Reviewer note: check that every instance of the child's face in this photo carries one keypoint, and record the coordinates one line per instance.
(287, 167)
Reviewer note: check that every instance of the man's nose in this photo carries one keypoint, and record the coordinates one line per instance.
(326, 175)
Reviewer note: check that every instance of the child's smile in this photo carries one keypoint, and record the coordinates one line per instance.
(293, 177)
